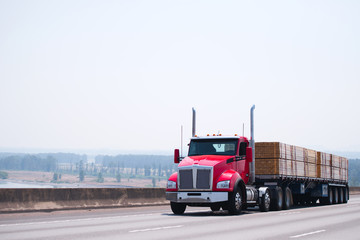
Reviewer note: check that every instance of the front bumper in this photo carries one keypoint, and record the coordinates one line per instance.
(197, 197)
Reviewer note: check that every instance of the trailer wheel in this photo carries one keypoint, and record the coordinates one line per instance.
(287, 198)
(277, 204)
(341, 195)
(265, 201)
(235, 203)
(335, 195)
(346, 196)
(329, 199)
(178, 208)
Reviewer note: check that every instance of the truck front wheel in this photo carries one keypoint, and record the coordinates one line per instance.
(178, 208)
(235, 203)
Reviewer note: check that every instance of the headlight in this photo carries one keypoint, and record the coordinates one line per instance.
(223, 184)
(171, 185)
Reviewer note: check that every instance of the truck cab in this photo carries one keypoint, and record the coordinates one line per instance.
(214, 174)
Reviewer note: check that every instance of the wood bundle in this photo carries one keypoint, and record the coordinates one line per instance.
(275, 158)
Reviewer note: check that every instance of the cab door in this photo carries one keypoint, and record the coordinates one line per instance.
(241, 164)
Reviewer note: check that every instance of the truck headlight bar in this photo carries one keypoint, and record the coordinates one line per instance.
(171, 185)
(223, 184)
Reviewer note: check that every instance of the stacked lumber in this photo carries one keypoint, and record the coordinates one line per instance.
(275, 158)
(272, 158)
(344, 169)
(339, 168)
(324, 165)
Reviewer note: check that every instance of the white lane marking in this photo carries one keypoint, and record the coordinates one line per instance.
(306, 234)
(73, 220)
(155, 229)
(288, 213)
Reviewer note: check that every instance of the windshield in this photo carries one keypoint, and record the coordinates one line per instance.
(213, 147)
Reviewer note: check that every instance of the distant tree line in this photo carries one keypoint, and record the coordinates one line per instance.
(136, 166)
(28, 162)
(354, 172)
(3, 175)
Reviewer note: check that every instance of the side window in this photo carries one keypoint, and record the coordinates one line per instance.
(242, 150)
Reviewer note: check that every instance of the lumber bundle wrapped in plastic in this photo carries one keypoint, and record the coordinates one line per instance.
(274, 158)
(335, 161)
(323, 158)
(323, 171)
(272, 150)
(310, 170)
(298, 153)
(335, 173)
(311, 156)
(324, 165)
(343, 174)
(344, 163)
(268, 166)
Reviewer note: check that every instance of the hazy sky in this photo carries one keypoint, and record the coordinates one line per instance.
(124, 75)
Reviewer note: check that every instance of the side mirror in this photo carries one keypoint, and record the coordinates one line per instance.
(249, 154)
(176, 156)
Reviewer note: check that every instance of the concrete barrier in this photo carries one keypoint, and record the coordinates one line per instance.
(49, 199)
(354, 190)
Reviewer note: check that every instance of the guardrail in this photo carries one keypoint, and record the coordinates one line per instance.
(50, 199)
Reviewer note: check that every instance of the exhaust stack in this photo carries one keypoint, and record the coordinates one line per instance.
(252, 145)
(193, 122)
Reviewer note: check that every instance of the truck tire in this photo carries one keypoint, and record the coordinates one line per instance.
(329, 199)
(287, 198)
(215, 207)
(341, 195)
(236, 201)
(335, 195)
(277, 196)
(265, 201)
(178, 208)
(346, 196)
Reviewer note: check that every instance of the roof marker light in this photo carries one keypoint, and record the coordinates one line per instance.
(208, 135)
(214, 134)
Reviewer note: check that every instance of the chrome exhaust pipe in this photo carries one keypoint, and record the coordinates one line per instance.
(252, 145)
(193, 122)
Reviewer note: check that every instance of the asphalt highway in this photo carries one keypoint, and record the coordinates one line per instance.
(341, 221)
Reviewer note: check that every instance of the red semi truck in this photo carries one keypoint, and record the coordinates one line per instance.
(219, 172)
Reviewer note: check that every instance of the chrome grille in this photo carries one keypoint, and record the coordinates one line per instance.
(203, 179)
(201, 175)
(186, 179)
